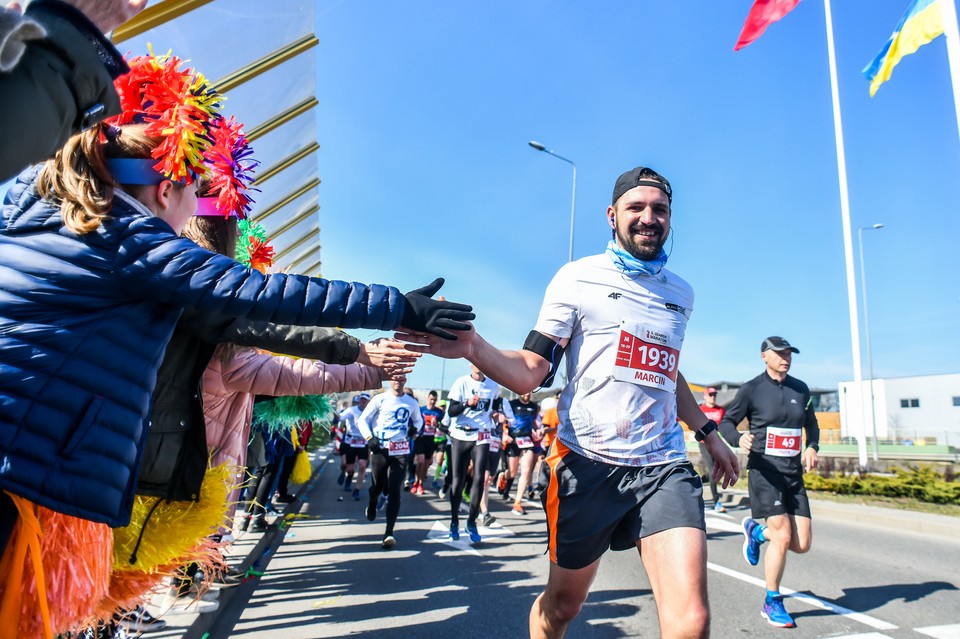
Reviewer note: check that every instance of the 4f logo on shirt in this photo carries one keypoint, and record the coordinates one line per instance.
(615, 296)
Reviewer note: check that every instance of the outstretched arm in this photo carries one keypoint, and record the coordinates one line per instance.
(521, 371)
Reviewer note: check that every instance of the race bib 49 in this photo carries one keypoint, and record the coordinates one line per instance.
(782, 442)
(647, 357)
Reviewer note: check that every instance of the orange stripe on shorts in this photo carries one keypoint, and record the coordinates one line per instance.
(557, 452)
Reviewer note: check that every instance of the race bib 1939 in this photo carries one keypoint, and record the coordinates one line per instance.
(782, 442)
(647, 357)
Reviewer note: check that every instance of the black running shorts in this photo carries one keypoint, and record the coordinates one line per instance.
(353, 454)
(493, 462)
(424, 445)
(775, 493)
(592, 506)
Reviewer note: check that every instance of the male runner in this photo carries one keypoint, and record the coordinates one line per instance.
(353, 445)
(619, 477)
(471, 403)
(777, 407)
(519, 445)
(714, 413)
(424, 445)
(384, 423)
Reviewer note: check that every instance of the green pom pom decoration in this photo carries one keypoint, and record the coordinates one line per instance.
(283, 413)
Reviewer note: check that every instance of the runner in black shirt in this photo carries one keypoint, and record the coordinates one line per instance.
(778, 407)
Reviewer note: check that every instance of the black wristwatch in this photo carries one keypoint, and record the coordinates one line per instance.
(708, 428)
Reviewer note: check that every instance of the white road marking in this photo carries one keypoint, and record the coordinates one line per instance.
(865, 635)
(722, 522)
(440, 534)
(941, 632)
(873, 622)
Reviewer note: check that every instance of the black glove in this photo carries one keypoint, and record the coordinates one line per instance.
(426, 315)
(374, 446)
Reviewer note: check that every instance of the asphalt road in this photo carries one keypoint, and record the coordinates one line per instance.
(325, 575)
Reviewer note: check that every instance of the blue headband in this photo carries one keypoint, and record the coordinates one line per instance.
(137, 171)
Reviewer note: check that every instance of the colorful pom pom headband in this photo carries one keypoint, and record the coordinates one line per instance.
(178, 106)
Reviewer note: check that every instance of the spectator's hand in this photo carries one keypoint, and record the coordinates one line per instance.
(422, 314)
(390, 356)
(810, 459)
(108, 14)
(746, 441)
(726, 468)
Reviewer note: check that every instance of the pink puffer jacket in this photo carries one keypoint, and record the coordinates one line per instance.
(229, 385)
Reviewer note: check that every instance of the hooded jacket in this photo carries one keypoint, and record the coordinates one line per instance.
(84, 321)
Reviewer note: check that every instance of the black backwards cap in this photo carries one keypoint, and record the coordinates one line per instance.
(641, 176)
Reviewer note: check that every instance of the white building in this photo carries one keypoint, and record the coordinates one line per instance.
(921, 409)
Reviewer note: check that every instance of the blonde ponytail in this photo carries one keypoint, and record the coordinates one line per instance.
(77, 177)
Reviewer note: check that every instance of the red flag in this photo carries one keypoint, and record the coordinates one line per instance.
(762, 15)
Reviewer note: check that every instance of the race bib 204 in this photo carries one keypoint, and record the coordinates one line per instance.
(647, 357)
(397, 448)
(782, 442)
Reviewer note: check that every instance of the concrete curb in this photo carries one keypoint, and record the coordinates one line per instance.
(943, 526)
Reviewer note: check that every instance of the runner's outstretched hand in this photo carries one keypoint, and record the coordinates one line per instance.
(422, 314)
(432, 345)
(726, 467)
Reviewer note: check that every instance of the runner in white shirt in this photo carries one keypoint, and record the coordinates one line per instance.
(353, 446)
(384, 425)
(471, 403)
(618, 474)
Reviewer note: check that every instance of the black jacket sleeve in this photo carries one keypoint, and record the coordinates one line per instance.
(62, 84)
(455, 408)
(328, 345)
(735, 412)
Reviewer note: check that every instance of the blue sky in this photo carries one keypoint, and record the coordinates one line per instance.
(426, 109)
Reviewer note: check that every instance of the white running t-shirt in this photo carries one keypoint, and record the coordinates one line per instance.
(619, 405)
(387, 417)
(351, 432)
(472, 421)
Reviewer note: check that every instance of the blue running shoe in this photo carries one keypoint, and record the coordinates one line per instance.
(381, 502)
(474, 533)
(751, 547)
(356, 494)
(347, 482)
(341, 477)
(454, 532)
(775, 614)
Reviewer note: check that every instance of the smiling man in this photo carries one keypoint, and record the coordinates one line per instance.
(618, 476)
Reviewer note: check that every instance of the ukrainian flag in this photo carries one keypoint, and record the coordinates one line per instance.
(921, 23)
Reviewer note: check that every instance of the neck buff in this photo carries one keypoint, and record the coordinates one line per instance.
(630, 265)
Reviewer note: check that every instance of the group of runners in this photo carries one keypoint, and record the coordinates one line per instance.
(617, 474)
(476, 440)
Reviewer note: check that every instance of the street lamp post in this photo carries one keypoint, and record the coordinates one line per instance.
(573, 198)
(866, 331)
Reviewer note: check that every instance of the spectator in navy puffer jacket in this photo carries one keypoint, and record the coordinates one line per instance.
(93, 276)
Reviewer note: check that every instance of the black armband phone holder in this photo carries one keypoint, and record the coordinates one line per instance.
(548, 349)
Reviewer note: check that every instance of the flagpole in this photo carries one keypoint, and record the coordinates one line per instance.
(949, 13)
(847, 234)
